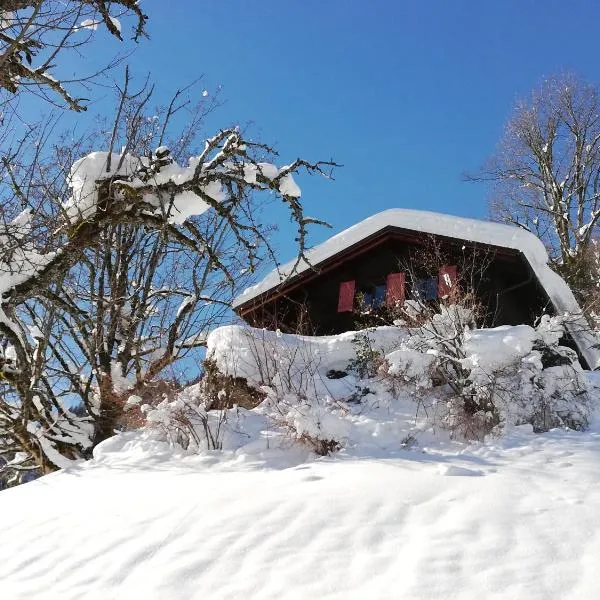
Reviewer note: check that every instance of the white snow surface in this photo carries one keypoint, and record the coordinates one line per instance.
(496, 348)
(472, 230)
(400, 511)
(517, 517)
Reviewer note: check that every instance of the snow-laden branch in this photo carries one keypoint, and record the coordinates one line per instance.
(33, 33)
(215, 179)
(109, 337)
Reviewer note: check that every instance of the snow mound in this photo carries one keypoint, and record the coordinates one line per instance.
(360, 388)
(399, 511)
(259, 355)
(144, 524)
(493, 349)
(456, 471)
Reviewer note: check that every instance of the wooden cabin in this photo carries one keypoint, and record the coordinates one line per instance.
(401, 254)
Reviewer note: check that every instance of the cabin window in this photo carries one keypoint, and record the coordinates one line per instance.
(373, 296)
(426, 289)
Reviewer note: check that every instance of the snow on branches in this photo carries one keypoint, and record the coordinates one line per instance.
(126, 324)
(34, 32)
(156, 191)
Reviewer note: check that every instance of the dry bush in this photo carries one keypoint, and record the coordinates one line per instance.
(545, 388)
(369, 359)
(186, 421)
(151, 394)
(321, 447)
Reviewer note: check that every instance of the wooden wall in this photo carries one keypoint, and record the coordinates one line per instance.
(502, 279)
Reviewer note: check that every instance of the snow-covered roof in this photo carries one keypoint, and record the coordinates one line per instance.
(471, 230)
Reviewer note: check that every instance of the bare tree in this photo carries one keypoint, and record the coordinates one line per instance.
(34, 34)
(546, 173)
(113, 263)
(35, 37)
(113, 267)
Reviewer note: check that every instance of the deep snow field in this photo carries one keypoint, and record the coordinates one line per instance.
(516, 517)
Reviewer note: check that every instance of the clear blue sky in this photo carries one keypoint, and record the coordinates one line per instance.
(406, 95)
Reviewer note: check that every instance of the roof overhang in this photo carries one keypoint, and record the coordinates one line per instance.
(390, 232)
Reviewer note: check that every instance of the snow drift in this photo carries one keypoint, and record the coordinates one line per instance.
(399, 510)
(514, 518)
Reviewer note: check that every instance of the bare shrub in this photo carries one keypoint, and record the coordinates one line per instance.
(368, 359)
(286, 371)
(319, 446)
(186, 421)
(436, 359)
(315, 423)
(486, 385)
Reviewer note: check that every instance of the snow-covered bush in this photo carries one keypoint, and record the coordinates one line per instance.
(385, 387)
(312, 392)
(491, 378)
(187, 421)
(319, 424)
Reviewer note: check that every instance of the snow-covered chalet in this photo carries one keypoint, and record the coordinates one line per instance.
(370, 260)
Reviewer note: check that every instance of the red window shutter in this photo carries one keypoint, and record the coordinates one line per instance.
(346, 299)
(395, 288)
(447, 281)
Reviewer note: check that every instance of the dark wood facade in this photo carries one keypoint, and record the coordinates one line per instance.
(311, 301)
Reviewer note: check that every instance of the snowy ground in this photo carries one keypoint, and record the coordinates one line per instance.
(513, 518)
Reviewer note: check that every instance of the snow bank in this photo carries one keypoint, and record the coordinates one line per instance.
(293, 362)
(333, 387)
(515, 518)
(494, 349)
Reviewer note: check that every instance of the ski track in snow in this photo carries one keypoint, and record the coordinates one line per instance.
(528, 526)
